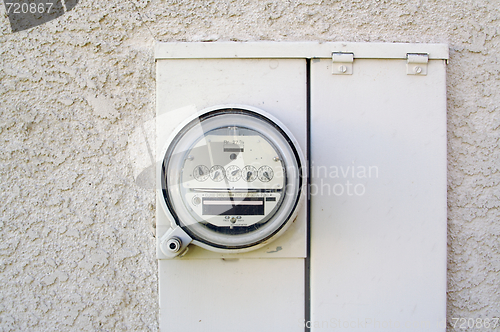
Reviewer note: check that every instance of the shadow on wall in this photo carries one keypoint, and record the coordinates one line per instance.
(141, 143)
(26, 14)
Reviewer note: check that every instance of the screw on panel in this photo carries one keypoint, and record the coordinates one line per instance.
(417, 69)
(342, 69)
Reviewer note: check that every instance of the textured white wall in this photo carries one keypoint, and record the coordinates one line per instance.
(77, 100)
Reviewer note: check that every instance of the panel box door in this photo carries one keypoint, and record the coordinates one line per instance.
(378, 196)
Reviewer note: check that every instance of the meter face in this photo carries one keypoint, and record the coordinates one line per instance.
(220, 180)
(231, 178)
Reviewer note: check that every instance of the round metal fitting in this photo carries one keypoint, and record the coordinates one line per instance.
(174, 244)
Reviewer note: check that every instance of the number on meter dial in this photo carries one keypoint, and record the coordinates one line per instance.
(217, 173)
(265, 173)
(201, 172)
(249, 173)
(233, 173)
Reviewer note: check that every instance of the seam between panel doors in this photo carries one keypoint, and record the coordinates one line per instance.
(307, 261)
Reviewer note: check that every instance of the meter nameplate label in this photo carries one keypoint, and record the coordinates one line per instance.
(233, 209)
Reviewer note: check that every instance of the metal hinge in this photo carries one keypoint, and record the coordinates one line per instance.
(342, 63)
(416, 63)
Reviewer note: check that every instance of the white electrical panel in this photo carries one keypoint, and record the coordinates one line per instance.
(234, 123)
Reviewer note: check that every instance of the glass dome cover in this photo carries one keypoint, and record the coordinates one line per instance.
(232, 179)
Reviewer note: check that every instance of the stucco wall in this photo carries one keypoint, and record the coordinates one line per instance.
(77, 94)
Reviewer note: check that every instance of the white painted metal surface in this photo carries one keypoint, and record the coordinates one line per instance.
(209, 291)
(245, 295)
(378, 197)
(297, 50)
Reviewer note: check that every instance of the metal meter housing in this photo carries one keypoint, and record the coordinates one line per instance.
(232, 178)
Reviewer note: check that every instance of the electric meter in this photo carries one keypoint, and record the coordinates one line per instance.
(231, 180)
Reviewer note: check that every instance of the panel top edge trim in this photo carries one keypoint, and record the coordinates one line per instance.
(295, 50)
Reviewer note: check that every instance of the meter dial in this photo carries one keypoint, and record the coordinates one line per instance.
(201, 172)
(233, 173)
(217, 173)
(266, 173)
(249, 173)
